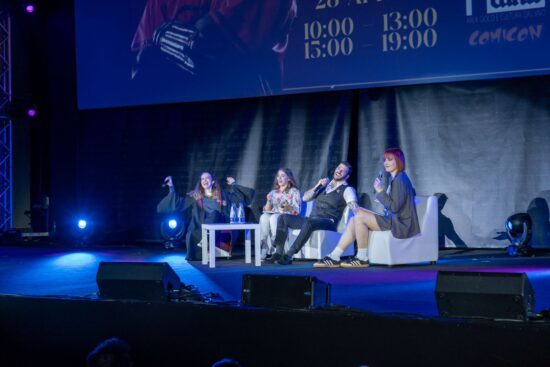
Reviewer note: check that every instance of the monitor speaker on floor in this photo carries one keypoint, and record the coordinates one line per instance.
(486, 295)
(284, 291)
(137, 280)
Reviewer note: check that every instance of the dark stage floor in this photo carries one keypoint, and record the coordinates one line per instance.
(56, 271)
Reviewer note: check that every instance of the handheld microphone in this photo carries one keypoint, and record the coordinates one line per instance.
(380, 177)
(320, 186)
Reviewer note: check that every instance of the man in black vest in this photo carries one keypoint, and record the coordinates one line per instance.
(331, 198)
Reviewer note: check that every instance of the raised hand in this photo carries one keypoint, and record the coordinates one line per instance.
(378, 185)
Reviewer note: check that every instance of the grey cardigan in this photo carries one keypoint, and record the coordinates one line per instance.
(401, 207)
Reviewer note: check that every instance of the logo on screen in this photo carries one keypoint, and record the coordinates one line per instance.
(499, 6)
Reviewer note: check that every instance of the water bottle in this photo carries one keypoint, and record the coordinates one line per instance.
(240, 213)
(233, 214)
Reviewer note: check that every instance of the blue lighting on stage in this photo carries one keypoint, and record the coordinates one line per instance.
(77, 259)
(175, 261)
(172, 223)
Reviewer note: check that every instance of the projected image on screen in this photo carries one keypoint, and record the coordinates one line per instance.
(215, 49)
(134, 52)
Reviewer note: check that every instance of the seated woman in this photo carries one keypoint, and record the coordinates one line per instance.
(399, 215)
(283, 199)
(207, 203)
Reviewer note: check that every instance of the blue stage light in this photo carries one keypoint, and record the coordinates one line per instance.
(519, 231)
(172, 229)
(172, 223)
(509, 225)
(83, 230)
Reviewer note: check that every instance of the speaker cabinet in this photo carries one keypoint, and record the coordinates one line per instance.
(137, 280)
(284, 291)
(488, 295)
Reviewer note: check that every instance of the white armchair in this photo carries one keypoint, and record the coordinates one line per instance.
(424, 247)
(322, 242)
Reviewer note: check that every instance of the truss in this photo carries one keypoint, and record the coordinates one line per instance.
(6, 184)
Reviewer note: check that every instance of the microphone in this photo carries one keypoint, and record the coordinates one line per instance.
(320, 186)
(380, 177)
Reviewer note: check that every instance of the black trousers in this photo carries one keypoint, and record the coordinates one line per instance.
(306, 227)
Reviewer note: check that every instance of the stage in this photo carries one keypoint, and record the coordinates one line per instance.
(379, 315)
(57, 271)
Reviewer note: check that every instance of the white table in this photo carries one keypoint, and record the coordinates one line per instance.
(209, 234)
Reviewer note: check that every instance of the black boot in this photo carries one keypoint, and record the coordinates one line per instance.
(286, 259)
(273, 258)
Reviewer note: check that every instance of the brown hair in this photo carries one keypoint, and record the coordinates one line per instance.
(348, 165)
(291, 179)
(198, 192)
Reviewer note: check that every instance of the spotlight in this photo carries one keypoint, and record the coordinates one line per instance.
(172, 229)
(519, 230)
(31, 112)
(82, 224)
(172, 223)
(30, 8)
(83, 231)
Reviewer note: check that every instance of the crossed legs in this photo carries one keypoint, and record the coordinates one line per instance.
(358, 229)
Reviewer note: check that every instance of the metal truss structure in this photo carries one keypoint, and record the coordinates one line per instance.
(6, 183)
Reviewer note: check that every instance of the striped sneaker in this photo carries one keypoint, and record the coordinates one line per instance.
(355, 263)
(327, 262)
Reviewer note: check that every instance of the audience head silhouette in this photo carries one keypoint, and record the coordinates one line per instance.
(227, 362)
(112, 352)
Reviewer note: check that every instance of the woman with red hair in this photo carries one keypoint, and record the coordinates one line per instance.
(399, 215)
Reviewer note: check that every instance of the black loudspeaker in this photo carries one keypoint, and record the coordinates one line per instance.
(284, 291)
(488, 295)
(137, 280)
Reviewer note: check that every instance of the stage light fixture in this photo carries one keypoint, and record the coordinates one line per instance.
(519, 230)
(82, 224)
(172, 223)
(31, 112)
(83, 231)
(172, 229)
(30, 8)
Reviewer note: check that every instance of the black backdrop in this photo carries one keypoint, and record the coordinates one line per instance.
(482, 146)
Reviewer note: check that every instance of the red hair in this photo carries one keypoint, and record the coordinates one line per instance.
(399, 157)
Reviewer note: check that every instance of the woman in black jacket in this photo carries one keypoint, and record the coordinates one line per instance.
(207, 203)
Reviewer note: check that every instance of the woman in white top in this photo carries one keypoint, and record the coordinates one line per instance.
(283, 199)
